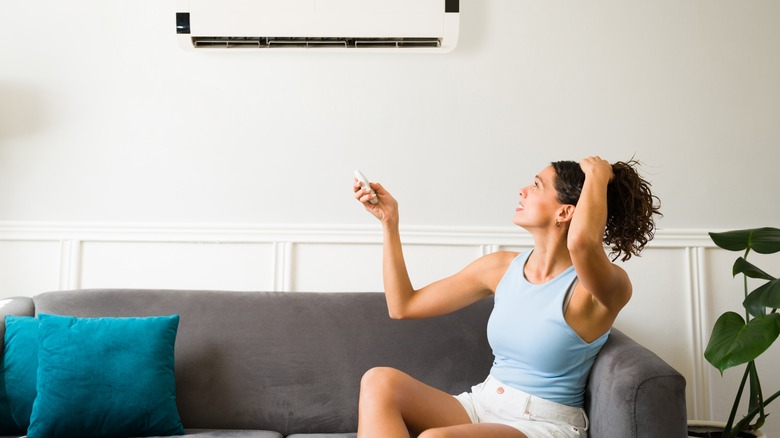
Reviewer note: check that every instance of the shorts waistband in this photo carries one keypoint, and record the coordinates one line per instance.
(536, 406)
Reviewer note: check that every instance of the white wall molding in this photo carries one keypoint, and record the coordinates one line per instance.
(300, 233)
(696, 269)
(283, 266)
(70, 264)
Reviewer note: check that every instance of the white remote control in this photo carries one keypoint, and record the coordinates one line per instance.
(364, 182)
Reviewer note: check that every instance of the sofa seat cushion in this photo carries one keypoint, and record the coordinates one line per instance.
(231, 433)
(324, 435)
(226, 433)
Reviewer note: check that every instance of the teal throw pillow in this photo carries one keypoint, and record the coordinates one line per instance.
(7, 423)
(19, 368)
(105, 377)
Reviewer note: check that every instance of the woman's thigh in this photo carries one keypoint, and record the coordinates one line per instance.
(421, 406)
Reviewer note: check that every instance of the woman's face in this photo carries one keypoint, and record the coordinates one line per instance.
(539, 206)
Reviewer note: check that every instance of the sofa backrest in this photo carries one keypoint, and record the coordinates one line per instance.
(291, 362)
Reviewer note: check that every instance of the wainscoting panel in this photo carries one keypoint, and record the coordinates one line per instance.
(428, 263)
(29, 267)
(324, 267)
(660, 312)
(349, 267)
(177, 265)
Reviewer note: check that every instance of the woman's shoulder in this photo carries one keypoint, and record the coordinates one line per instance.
(490, 268)
(503, 256)
(498, 261)
(494, 263)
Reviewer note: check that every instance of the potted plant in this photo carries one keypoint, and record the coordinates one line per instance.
(738, 340)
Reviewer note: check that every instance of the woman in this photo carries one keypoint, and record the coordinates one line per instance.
(554, 307)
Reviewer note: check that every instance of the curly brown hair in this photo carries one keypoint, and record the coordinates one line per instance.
(630, 205)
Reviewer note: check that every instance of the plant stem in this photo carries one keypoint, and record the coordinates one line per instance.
(756, 395)
(745, 285)
(730, 423)
(728, 429)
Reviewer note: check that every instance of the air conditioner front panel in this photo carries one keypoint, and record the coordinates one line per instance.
(320, 19)
(316, 18)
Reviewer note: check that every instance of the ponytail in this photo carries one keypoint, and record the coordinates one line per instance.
(630, 209)
(630, 205)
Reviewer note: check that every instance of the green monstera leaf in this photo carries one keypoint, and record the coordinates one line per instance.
(734, 342)
(761, 240)
(766, 295)
(742, 266)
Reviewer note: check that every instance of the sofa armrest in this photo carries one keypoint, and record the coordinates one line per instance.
(20, 306)
(633, 393)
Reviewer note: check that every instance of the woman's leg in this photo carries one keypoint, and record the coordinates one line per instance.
(393, 404)
(482, 430)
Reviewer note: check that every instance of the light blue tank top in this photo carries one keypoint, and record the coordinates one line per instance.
(535, 349)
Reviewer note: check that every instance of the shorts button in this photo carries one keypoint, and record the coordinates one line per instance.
(500, 390)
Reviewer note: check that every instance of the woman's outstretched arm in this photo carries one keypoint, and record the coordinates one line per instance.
(474, 282)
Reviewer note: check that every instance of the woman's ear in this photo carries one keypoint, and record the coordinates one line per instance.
(566, 213)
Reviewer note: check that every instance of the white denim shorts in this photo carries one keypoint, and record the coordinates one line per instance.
(493, 402)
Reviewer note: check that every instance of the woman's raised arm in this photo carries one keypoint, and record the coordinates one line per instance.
(476, 281)
(608, 283)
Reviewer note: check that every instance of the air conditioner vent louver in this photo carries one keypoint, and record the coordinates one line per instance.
(309, 42)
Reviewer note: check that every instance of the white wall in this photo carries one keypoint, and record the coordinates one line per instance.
(128, 162)
(103, 118)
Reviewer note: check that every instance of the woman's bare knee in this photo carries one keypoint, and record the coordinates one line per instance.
(387, 393)
(380, 375)
(380, 405)
(381, 384)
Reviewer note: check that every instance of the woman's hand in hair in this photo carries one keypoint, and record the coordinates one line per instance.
(597, 167)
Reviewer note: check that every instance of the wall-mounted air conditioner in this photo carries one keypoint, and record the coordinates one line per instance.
(340, 25)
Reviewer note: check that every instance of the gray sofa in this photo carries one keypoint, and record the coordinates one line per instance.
(272, 364)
